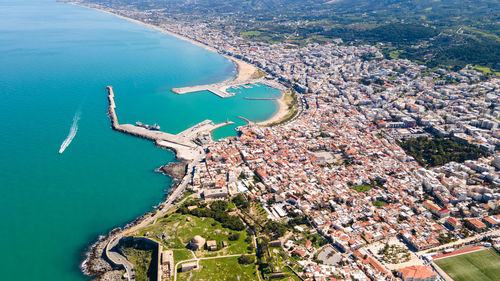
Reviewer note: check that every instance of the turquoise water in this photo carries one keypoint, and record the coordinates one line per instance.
(55, 60)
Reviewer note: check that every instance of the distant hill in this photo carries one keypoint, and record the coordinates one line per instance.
(446, 33)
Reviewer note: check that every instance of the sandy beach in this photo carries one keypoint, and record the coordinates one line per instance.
(280, 114)
(94, 263)
(245, 70)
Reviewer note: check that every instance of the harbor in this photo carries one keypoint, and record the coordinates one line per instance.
(187, 144)
(219, 89)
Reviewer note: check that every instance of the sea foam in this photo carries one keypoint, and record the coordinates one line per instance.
(72, 132)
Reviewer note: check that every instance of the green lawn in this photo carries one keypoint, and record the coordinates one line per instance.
(361, 188)
(477, 266)
(221, 269)
(483, 69)
(182, 254)
(179, 229)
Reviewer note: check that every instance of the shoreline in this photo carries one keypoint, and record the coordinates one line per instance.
(96, 263)
(244, 70)
(279, 114)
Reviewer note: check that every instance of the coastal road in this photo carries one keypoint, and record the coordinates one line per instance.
(121, 260)
(118, 259)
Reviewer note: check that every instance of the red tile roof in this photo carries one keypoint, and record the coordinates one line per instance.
(417, 272)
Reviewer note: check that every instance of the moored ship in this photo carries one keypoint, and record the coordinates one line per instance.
(155, 127)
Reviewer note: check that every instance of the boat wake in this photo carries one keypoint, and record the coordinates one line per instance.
(71, 134)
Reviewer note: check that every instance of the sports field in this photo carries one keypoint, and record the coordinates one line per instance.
(477, 266)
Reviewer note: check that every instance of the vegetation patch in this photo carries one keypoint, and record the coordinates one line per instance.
(218, 210)
(431, 152)
(379, 203)
(141, 260)
(394, 254)
(176, 230)
(221, 269)
(361, 188)
(395, 33)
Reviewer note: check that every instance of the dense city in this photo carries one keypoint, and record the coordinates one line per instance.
(346, 165)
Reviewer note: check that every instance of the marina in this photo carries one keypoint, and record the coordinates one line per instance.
(100, 179)
(183, 143)
(219, 89)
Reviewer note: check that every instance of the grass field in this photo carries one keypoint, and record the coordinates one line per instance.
(477, 266)
(221, 269)
(179, 229)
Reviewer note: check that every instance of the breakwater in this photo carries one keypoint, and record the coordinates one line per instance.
(219, 89)
(187, 144)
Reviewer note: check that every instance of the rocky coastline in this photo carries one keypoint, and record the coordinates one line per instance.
(95, 263)
(175, 170)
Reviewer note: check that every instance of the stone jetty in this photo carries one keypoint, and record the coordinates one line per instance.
(185, 144)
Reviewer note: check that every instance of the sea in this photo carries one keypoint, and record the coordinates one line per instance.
(55, 61)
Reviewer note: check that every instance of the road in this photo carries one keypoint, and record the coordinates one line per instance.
(478, 236)
(121, 260)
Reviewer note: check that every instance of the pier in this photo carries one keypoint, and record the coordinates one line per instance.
(183, 143)
(249, 122)
(219, 89)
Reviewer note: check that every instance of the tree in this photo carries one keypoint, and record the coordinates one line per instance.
(250, 248)
(297, 221)
(248, 239)
(234, 236)
(219, 205)
(263, 247)
(245, 259)
(275, 227)
(241, 202)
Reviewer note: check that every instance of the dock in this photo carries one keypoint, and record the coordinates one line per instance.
(183, 143)
(219, 89)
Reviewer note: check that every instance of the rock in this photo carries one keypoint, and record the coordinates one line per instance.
(176, 170)
(96, 264)
(111, 276)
